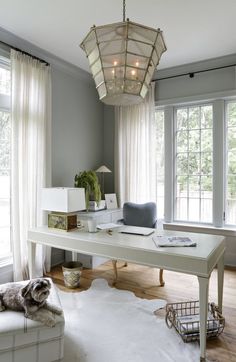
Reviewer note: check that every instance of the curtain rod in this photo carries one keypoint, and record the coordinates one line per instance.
(22, 51)
(191, 74)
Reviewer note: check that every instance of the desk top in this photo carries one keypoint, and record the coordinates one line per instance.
(199, 260)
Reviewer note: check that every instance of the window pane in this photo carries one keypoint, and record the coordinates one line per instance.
(182, 208)
(231, 189)
(231, 110)
(206, 117)
(182, 141)
(231, 212)
(232, 162)
(206, 187)
(206, 209)
(182, 164)
(160, 162)
(182, 186)
(5, 133)
(194, 209)
(194, 186)
(231, 139)
(230, 203)
(206, 137)
(194, 118)
(206, 163)
(5, 85)
(182, 118)
(193, 164)
(194, 140)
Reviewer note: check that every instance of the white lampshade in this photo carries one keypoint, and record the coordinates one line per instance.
(103, 168)
(63, 199)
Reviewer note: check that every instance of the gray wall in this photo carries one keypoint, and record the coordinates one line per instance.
(108, 148)
(77, 131)
(77, 127)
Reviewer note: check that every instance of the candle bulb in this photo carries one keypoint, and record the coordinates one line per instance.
(133, 73)
(114, 70)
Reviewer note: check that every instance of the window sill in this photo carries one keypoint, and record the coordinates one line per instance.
(6, 261)
(230, 231)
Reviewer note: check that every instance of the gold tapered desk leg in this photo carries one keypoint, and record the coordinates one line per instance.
(114, 262)
(161, 280)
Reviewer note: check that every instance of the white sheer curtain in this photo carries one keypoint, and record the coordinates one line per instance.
(135, 151)
(31, 119)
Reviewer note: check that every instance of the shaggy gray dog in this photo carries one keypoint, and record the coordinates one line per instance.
(31, 299)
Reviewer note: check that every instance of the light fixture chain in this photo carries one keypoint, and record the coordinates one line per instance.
(124, 5)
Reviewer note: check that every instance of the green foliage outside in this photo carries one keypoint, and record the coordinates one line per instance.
(5, 139)
(194, 150)
(231, 147)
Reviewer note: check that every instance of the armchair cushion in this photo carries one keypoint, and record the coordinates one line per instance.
(144, 215)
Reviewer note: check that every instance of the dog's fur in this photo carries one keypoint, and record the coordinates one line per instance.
(31, 299)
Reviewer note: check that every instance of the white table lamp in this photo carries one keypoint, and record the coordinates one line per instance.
(103, 169)
(63, 202)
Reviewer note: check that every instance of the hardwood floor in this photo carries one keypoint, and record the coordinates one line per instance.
(143, 281)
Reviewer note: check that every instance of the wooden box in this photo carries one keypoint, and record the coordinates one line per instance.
(63, 221)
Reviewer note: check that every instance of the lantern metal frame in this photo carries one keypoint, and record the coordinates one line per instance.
(123, 57)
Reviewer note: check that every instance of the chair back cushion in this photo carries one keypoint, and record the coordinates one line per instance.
(144, 215)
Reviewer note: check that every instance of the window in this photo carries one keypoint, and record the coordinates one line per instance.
(4, 77)
(159, 157)
(200, 162)
(230, 202)
(5, 147)
(193, 164)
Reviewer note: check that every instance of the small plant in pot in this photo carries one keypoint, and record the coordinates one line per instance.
(89, 180)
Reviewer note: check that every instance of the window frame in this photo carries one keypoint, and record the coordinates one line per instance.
(219, 107)
(176, 108)
(226, 160)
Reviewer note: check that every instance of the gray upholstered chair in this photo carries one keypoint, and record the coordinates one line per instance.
(144, 215)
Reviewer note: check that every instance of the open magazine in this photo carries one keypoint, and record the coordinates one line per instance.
(173, 241)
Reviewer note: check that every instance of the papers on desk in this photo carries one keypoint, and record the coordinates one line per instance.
(109, 225)
(169, 241)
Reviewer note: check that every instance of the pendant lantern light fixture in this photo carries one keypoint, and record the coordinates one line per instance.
(123, 57)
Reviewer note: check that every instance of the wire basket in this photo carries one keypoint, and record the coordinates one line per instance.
(184, 317)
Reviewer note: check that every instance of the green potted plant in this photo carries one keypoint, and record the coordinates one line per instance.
(89, 180)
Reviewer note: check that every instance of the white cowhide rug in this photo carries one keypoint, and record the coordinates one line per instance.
(104, 324)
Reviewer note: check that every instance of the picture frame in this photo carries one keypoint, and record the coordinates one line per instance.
(111, 201)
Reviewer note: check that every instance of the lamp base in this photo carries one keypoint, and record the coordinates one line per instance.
(62, 221)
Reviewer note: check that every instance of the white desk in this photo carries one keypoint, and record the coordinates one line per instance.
(198, 261)
(101, 217)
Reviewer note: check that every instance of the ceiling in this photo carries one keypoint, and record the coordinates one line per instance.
(193, 30)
